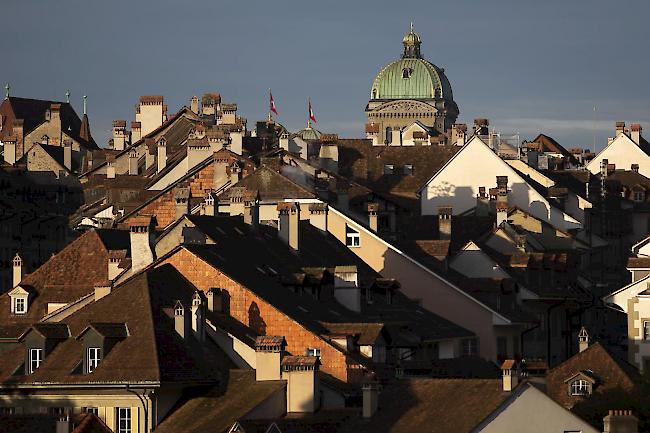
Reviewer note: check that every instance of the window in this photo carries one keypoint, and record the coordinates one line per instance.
(389, 169)
(580, 387)
(313, 351)
(7, 410)
(469, 347)
(406, 73)
(389, 135)
(20, 305)
(123, 422)
(35, 359)
(94, 355)
(408, 169)
(93, 410)
(352, 238)
(639, 196)
(646, 329)
(374, 93)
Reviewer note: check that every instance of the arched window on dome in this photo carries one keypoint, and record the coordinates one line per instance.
(437, 93)
(389, 135)
(406, 73)
(374, 93)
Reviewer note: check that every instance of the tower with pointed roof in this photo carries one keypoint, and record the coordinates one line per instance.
(407, 90)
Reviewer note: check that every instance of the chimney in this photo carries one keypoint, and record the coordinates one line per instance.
(252, 209)
(373, 217)
(102, 290)
(284, 141)
(194, 104)
(10, 150)
(302, 383)
(182, 198)
(620, 128)
(18, 130)
(198, 150)
(268, 355)
(444, 222)
(346, 287)
(133, 162)
(110, 166)
(67, 154)
(635, 168)
(18, 270)
(342, 198)
(481, 126)
(220, 171)
(55, 119)
(119, 134)
(289, 229)
(236, 141)
(482, 202)
(520, 242)
(318, 215)
(198, 316)
(209, 204)
(215, 300)
(150, 155)
(64, 424)
(583, 339)
(136, 132)
(502, 213)
(115, 257)
(141, 233)
(510, 373)
(620, 421)
(458, 134)
(161, 158)
(181, 320)
(635, 132)
(370, 399)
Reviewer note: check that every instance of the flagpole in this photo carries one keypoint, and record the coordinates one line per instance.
(270, 118)
(308, 113)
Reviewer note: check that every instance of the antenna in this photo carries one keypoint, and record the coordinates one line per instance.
(67, 96)
(7, 88)
(85, 104)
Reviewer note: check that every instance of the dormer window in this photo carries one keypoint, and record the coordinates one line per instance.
(179, 311)
(639, 196)
(580, 387)
(94, 356)
(19, 300)
(35, 359)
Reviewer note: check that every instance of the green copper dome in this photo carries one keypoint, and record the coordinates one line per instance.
(309, 133)
(411, 77)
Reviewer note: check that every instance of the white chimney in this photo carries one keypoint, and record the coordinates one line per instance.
(162, 154)
(346, 287)
(18, 270)
(181, 320)
(110, 167)
(302, 383)
(583, 339)
(284, 141)
(119, 134)
(102, 290)
(444, 222)
(10, 150)
(141, 230)
(510, 373)
(373, 216)
(620, 128)
(136, 132)
(182, 198)
(289, 228)
(635, 132)
(318, 215)
(268, 355)
(194, 104)
(67, 154)
(198, 316)
(370, 399)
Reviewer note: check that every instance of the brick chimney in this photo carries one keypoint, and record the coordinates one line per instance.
(635, 132)
(373, 216)
(268, 355)
(370, 399)
(620, 128)
(318, 215)
(346, 287)
(510, 374)
(18, 270)
(133, 162)
(302, 383)
(67, 154)
(141, 233)
(445, 213)
(289, 229)
(583, 339)
(620, 421)
(161, 158)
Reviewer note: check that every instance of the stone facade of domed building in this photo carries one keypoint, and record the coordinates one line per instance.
(408, 90)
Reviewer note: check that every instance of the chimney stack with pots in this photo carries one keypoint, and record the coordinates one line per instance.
(268, 355)
(373, 216)
(444, 222)
(141, 233)
(620, 421)
(289, 219)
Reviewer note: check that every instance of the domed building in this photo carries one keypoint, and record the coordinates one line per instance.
(406, 91)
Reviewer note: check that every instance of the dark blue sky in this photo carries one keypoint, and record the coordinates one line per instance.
(528, 66)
